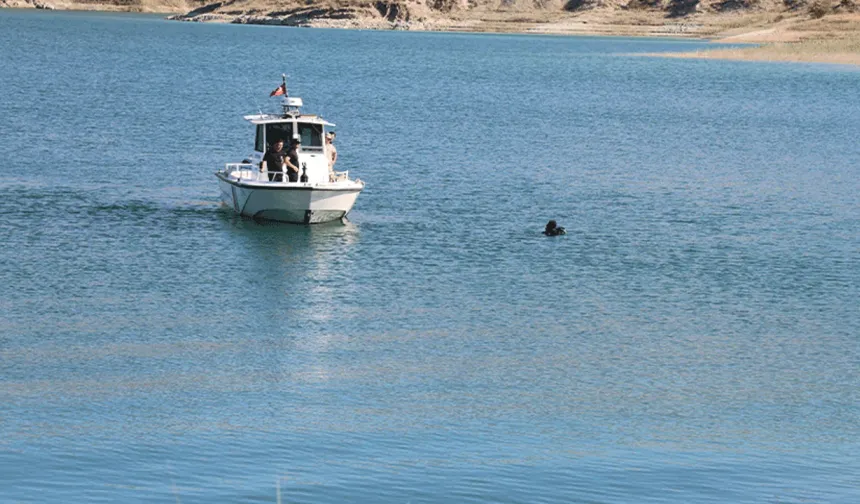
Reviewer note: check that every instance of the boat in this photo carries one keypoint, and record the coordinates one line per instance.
(319, 195)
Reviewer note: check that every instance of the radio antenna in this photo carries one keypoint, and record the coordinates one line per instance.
(248, 82)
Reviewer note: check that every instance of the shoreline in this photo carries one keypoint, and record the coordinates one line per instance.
(798, 52)
(776, 37)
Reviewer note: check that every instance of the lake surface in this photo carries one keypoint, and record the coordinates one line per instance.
(694, 338)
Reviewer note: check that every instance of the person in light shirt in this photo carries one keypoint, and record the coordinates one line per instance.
(331, 152)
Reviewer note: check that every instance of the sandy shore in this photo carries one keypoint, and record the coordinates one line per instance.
(798, 37)
(830, 39)
(778, 35)
(817, 51)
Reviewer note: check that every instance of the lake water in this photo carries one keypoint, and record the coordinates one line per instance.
(694, 338)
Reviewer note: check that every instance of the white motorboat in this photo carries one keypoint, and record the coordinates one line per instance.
(319, 196)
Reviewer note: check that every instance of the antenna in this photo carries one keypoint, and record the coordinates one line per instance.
(248, 82)
(290, 104)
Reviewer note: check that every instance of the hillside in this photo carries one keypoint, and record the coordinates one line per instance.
(794, 30)
(690, 18)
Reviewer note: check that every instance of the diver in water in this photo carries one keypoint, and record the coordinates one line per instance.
(553, 229)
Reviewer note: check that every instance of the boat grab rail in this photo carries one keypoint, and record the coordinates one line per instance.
(263, 175)
(231, 167)
(257, 175)
(239, 167)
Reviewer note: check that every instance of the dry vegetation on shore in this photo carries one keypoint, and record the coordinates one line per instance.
(787, 30)
(830, 39)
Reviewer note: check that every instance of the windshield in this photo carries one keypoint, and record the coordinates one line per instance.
(311, 136)
(279, 131)
(259, 144)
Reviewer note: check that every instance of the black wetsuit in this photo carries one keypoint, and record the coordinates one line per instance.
(274, 160)
(294, 159)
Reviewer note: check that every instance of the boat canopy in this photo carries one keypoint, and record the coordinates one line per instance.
(271, 119)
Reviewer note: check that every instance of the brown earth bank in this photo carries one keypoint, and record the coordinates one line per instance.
(787, 30)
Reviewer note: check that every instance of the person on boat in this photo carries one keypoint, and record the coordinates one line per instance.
(331, 152)
(553, 229)
(274, 161)
(292, 161)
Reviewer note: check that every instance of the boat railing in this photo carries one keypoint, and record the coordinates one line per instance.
(251, 171)
(248, 171)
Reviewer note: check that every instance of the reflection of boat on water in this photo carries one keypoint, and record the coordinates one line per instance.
(320, 196)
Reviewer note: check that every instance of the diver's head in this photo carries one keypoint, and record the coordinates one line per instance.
(551, 225)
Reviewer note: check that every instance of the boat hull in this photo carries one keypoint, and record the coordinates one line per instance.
(293, 203)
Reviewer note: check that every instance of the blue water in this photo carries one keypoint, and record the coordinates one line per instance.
(694, 338)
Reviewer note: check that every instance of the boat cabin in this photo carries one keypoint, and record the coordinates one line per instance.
(311, 129)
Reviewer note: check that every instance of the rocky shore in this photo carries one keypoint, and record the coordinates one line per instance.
(787, 30)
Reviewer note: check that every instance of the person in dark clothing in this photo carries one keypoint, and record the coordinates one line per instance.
(292, 161)
(553, 229)
(274, 160)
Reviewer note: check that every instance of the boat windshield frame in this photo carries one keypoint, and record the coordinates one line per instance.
(311, 129)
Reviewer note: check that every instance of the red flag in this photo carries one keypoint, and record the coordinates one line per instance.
(282, 89)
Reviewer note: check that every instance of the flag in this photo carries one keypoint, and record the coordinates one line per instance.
(282, 90)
